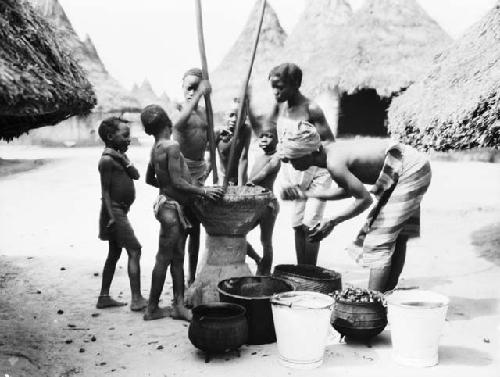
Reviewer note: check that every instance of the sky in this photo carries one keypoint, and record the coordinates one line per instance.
(157, 39)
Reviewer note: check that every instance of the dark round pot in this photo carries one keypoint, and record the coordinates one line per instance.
(359, 320)
(254, 294)
(218, 327)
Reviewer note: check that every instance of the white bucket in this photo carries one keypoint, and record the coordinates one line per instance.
(416, 319)
(302, 324)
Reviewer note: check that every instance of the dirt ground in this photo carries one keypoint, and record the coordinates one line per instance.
(51, 261)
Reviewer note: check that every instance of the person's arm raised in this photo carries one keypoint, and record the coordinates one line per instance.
(182, 118)
(317, 117)
(270, 124)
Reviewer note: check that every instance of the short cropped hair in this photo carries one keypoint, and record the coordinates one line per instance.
(289, 73)
(109, 126)
(193, 72)
(154, 119)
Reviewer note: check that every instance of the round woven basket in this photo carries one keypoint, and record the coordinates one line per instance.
(236, 214)
(309, 278)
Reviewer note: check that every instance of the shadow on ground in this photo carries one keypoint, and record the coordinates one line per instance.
(464, 308)
(486, 241)
(457, 355)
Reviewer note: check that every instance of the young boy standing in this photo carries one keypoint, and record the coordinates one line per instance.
(265, 169)
(118, 194)
(168, 171)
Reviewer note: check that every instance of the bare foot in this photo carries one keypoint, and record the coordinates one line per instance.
(107, 302)
(179, 311)
(157, 313)
(138, 304)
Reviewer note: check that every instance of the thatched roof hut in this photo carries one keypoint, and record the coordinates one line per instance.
(457, 103)
(40, 83)
(385, 47)
(313, 41)
(228, 77)
(111, 95)
(312, 45)
(147, 96)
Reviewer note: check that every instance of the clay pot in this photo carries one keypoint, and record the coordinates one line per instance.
(218, 327)
(359, 320)
(254, 294)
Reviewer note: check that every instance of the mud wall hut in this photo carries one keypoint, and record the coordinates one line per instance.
(40, 83)
(456, 105)
(385, 46)
(112, 97)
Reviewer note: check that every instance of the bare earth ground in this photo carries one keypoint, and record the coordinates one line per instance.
(49, 254)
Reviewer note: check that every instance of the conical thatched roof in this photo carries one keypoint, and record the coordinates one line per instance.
(111, 95)
(457, 104)
(387, 46)
(147, 96)
(229, 75)
(312, 43)
(40, 83)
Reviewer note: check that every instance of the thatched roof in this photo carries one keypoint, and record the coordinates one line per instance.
(457, 104)
(40, 83)
(111, 95)
(312, 42)
(147, 96)
(228, 77)
(387, 46)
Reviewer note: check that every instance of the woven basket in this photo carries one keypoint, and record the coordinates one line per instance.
(309, 278)
(236, 214)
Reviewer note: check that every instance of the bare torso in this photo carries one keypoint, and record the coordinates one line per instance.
(306, 110)
(121, 188)
(159, 159)
(193, 136)
(364, 159)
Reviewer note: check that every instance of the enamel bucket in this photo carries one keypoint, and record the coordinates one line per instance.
(416, 320)
(302, 324)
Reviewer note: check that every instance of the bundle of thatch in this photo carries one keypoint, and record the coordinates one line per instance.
(40, 83)
(457, 104)
(111, 95)
(386, 47)
(228, 77)
(313, 43)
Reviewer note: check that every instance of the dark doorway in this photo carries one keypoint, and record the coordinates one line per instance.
(363, 113)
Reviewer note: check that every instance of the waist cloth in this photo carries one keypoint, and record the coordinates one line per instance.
(398, 191)
(162, 202)
(122, 232)
(198, 170)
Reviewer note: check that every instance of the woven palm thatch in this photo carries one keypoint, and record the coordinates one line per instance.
(111, 95)
(228, 77)
(40, 83)
(387, 45)
(457, 104)
(312, 44)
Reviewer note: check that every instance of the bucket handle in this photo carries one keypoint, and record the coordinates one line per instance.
(290, 305)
